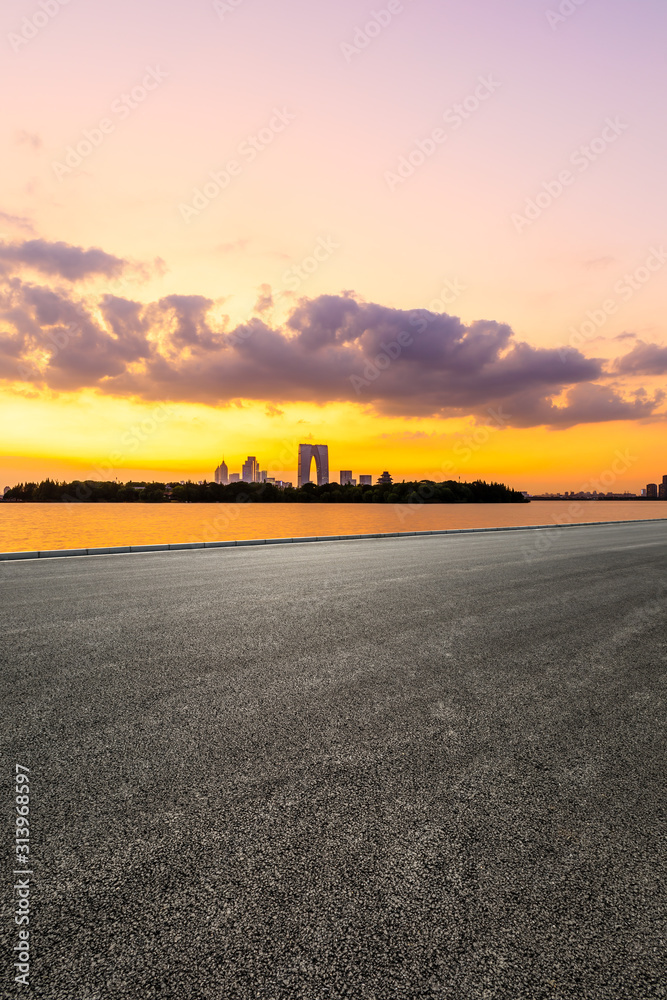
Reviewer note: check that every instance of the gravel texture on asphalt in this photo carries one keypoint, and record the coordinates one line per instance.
(429, 768)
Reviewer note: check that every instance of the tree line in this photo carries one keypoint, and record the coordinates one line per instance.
(422, 491)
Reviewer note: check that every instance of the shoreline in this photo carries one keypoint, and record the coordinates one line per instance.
(184, 546)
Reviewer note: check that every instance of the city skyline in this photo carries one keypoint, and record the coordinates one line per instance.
(223, 476)
(318, 455)
(173, 275)
(308, 455)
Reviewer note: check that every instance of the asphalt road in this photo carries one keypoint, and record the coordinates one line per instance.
(429, 767)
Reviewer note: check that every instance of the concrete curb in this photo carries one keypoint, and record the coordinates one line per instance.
(180, 546)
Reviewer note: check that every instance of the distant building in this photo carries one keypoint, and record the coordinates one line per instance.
(365, 480)
(235, 477)
(250, 473)
(353, 482)
(345, 477)
(662, 489)
(652, 491)
(385, 480)
(308, 452)
(262, 478)
(222, 474)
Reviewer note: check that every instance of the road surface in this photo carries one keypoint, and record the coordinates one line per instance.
(423, 768)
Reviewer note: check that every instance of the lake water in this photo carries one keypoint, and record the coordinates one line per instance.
(29, 527)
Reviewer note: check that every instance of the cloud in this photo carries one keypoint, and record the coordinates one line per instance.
(585, 404)
(408, 436)
(80, 351)
(332, 348)
(31, 139)
(264, 299)
(183, 321)
(21, 222)
(643, 359)
(245, 245)
(61, 259)
(237, 246)
(599, 263)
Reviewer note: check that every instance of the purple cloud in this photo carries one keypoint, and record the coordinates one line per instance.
(31, 139)
(583, 404)
(16, 222)
(61, 259)
(264, 299)
(643, 359)
(332, 348)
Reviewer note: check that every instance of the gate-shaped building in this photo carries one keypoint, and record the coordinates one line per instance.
(308, 452)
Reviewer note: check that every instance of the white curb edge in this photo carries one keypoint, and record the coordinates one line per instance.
(180, 546)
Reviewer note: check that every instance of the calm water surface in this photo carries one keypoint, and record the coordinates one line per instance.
(66, 525)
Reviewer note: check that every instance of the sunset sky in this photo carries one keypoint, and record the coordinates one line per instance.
(437, 239)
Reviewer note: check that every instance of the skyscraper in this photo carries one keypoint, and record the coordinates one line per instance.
(308, 452)
(365, 480)
(222, 474)
(652, 491)
(250, 473)
(345, 477)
